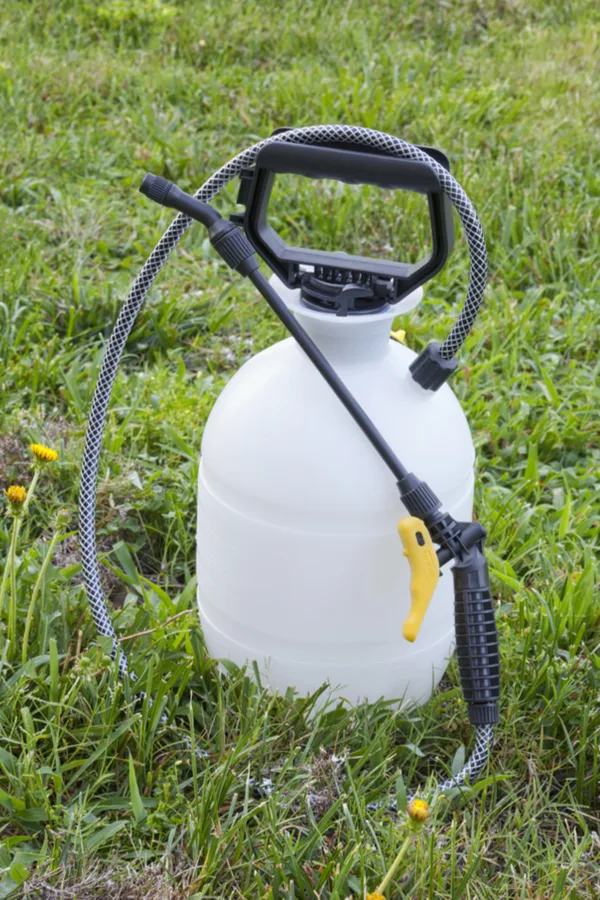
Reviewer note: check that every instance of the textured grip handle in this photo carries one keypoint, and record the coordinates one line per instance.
(477, 639)
(350, 166)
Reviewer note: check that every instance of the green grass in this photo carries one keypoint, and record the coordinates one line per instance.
(93, 788)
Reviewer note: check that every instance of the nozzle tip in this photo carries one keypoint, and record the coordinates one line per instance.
(156, 188)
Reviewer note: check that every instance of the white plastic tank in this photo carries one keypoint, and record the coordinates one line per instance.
(299, 563)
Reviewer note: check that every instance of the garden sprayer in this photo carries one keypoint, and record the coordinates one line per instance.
(319, 444)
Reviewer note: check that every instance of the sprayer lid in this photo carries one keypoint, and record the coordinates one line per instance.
(295, 302)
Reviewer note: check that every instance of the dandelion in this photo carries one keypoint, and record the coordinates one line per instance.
(16, 494)
(418, 813)
(43, 454)
(418, 810)
(62, 517)
(17, 497)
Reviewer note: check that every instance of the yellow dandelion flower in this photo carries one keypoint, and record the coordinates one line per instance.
(16, 494)
(375, 896)
(44, 454)
(418, 810)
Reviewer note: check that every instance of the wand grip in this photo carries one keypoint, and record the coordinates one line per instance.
(477, 638)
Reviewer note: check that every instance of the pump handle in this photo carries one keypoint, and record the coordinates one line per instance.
(350, 166)
(388, 279)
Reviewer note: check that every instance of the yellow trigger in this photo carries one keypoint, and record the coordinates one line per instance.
(424, 571)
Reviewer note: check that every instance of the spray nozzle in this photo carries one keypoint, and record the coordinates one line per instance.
(156, 188)
(164, 192)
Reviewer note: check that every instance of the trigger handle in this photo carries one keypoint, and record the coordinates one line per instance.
(424, 571)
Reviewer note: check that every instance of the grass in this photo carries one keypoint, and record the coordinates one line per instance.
(98, 796)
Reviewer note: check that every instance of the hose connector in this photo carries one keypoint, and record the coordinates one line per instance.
(430, 369)
(233, 246)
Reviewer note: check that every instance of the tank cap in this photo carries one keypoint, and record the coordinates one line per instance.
(342, 299)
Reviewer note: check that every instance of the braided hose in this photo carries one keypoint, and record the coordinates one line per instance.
(319, 134)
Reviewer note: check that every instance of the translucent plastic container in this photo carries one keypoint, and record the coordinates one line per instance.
(299, 563)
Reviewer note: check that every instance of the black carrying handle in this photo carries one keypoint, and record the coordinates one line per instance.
(391, 281)
(350, 166)
(477, 647)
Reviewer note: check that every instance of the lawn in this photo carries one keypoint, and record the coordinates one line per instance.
(100, 796)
